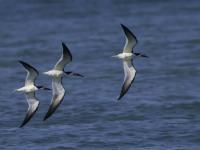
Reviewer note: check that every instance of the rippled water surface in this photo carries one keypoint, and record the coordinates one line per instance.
(160, 111)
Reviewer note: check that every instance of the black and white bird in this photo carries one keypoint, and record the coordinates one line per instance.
(57, 73)
(127, 56)
(29, 89)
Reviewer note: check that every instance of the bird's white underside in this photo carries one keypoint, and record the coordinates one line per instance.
(32, 101)
(54, 73)
(58, 90)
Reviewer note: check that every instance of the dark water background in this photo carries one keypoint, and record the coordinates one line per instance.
(162, 109)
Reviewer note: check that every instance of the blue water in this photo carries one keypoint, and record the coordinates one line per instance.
(161, 111)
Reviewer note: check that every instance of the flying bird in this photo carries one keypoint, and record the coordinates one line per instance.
(57, 73)
(29, 89)
(127, 56)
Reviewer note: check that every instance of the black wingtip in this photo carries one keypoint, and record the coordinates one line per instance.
(128, 31)
(28, 116)
(66, 50)
(27, 66)
(122, 93)
(63, 44)
(50, 112)
(124, 27)
(46, 117)
(23, 124)
(22, 62)
(125, 89)
(119, 98)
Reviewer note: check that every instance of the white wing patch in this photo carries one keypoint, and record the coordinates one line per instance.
(32, 73)
(129, 75)
(57, 96)
(31, 99)
(33, 105)
(58, 90)
(30, 78)
(131, 40)
(64, 59)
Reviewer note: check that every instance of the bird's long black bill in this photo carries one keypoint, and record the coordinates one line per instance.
(141, 55)
(52, 109)
(30, 113)
(47, 89)
(73, 74)
(43, 88)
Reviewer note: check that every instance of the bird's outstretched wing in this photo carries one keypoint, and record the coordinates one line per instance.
(32, 73)
(33, 105)
(131, 40)
(129, 75)
(64, 59)
(57, 96)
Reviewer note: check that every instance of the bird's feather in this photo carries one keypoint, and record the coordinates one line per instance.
(64, 59)
(129, 75)
(32, 73)
(131, 40)
(57, 97)
(33, 105)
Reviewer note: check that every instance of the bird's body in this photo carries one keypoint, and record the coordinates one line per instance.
(127, 56)
(124, 56)
(54, 73)
(29, 89)
(57, 73)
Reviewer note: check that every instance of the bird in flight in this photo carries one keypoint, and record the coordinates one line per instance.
(127, 56)
(29, 89)
(57, 73)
